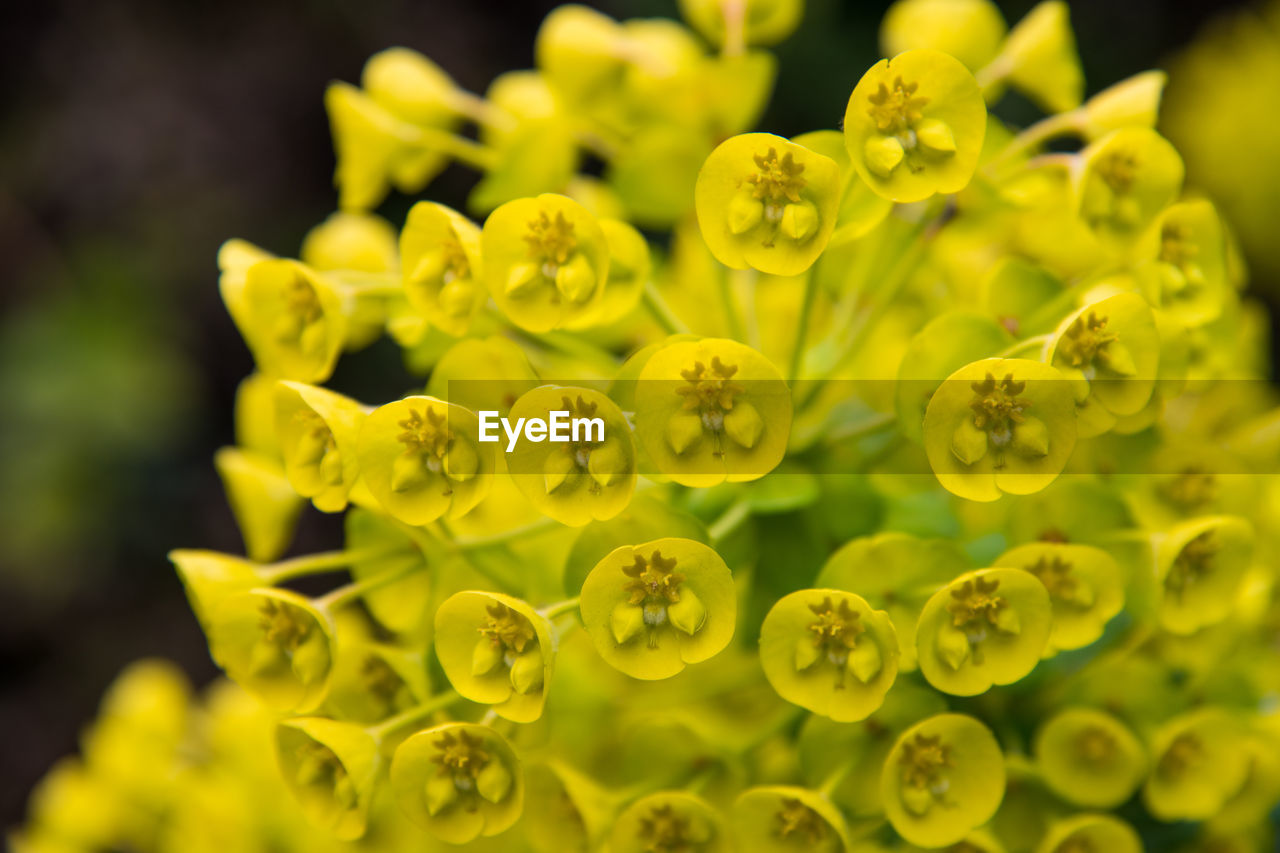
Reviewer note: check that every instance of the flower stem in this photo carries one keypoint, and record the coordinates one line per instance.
(325, 561)
(381, 730)
(835, 777)
(730, 520)
(473, 154)
(661, 311)
(348, 593)
(802, 330)
(551, 611)
(732, 308)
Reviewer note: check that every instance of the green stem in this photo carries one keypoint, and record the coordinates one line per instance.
(729, 521)
(661, 311)
(732, 308)
(382, 730)
(802, 330)
(480, 110)
(551, 611)
(325, 561)
(861, 429)
(467, 543)
(576, 347)
(348, 593)
(835, 777)
(1035, 136)
(473, 154)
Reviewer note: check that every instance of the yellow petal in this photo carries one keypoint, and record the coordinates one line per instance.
(461, 462)
(883, 154)
(865, 661)
(936, 135)
(745, 212)
(1031, 438)
(407, 472)
(1118, 359)
(968, 443)
(556, 470)
(688, 614)
(743, 424)
(607, 462)
(626, 622)
(494, 781)
(440, 793)
(807, 654)
(952, 646)
(526, 671)
(799, 221)
(576, 280)
(486, 655)
(684, 431)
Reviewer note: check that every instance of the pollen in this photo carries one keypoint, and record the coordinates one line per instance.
(282, 624)
(551, 241)
(1055, 574)
(1118, 170)
(456, 265)
(836, 629)
(507, 628)
(709, 390)
(1096, 745)
(997, 406)
(1192, 488)
(895, 110)
(461, 756)
(654, 580)
(778, 180)
(1185, 752)
(797, 820)
(1086, 341)
(923, 762)
(301, 300)
(429, 435)
(974, 603)
(664, 831)
(1193, 563)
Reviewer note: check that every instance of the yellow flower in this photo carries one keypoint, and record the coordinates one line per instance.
(828, 651)
(915, 124)
(1085, 585)
(458, 781)
(985, 627)
(653, 608)
(944, 777)
(711, 410)
(1090, 758)
(767, 203)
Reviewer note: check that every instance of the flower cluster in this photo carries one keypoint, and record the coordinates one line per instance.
(921, 515)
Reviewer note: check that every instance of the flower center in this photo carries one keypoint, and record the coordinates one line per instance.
(1118, 169)
(429, 435)
(1075, 844)
(456, 265)
(795, 818)
(997, 407)
(384, 684)
(654, 584)
(923, 760)
(551, 241)
(778, 180)
(283, 625)
(1185, 751)
(1096, 745)
(462, 756)
(710, 392)
(1192, 488)
(301, 301)
(1055, 574)
(664, 831)
(318, 766)
(507, 628)
(895, 110)
(1086, 340)
(1193, 563)
(974, 607)
(836, 629)
(1176, 247)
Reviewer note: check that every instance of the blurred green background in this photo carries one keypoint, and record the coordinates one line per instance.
(137, 135)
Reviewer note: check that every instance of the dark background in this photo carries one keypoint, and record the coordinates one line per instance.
(136, 136)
